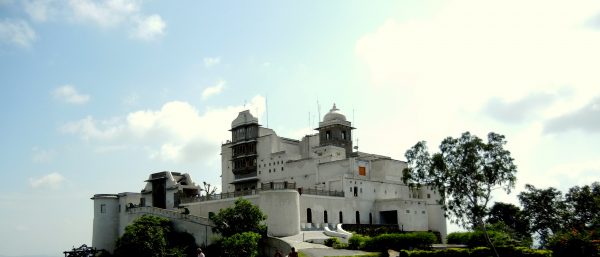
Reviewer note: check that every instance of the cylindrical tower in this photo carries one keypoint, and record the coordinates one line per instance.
(106, 221)
(282, 208)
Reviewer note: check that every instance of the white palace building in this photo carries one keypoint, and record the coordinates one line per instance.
(310, 184)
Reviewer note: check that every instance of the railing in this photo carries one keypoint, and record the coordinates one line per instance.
(264, 187)
(312, 191)
(220, 196)
(278, 185)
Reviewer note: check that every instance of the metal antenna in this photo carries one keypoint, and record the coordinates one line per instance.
(318, 109)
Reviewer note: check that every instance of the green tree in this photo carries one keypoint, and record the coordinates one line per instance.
(152, 236)
(241, 244)
(545, 210)
(583, 204)
(145, 237)
(465, 172)
(242, 217)
(510, 219)
(242, 229)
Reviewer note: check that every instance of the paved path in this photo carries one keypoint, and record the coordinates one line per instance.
(322, 252)
(316, 250)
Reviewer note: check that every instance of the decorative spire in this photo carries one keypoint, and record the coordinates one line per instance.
(334, 108)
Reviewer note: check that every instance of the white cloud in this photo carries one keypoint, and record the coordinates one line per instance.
(176, 132)
(109, 14)
(104, 13)
(17, 32)
(214, 90)
(91, 129)
(53, 180)
(40, 10)
(149, 28)
(503, 49)
(69, 94)
(211, 61)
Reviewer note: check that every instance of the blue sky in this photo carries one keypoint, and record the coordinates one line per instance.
(96, 95)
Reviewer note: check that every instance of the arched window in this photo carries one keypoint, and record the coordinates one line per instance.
(341, 218)
(324, 216)
(308, 216)
(357, 217)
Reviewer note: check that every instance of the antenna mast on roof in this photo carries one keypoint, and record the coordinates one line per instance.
(267, 107)
(318, 110)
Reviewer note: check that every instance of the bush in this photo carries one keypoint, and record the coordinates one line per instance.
(573, 243)
(478, 252)
(357, 242)
(477, 238)
(331, 241)
(400, 241)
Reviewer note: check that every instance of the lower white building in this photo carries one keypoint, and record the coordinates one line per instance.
(312, 183)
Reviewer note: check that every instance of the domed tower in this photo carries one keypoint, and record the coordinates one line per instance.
(335, 130)
(244, 134)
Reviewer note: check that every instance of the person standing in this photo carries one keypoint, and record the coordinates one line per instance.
(200, 253)
(293, 253)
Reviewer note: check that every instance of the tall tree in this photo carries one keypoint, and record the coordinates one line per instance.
(545, 210)
(583, 204)
(465, 172)
(513, 218)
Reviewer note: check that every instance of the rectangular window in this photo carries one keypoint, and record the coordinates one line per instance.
(355, 191)
(102, 208)
(362, 171)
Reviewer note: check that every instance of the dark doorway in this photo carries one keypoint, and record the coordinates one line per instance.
(370, 218)
(159, 193)
(357, 217)
(388, 217)
(341, 218)
(308, 216)
(324, 216)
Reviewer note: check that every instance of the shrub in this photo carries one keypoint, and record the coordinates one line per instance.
(477, 238)
(357, 242)
(331, 241)
(573, 243)
(478, 252)
(400, 241)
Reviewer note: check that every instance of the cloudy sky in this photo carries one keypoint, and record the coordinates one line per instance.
(96, 95)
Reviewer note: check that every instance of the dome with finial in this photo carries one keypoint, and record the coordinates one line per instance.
(334, 114)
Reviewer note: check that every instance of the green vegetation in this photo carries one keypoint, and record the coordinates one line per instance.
(335, 243)
(384, 242)
(241, 228)
(478, 252)
(152, 236)
(570, 224)
(363, 255)
(465, 172)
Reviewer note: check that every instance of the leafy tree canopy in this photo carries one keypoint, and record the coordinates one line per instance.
(584, 205)
(242, 217)
(545, 210)
(465, 172)
(241, 244)
(512, 217)
(152, 236)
